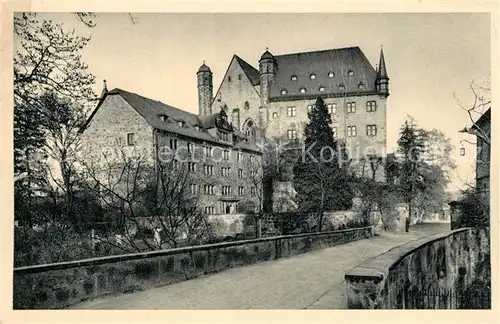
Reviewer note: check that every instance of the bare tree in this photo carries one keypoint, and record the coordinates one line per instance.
(48, 58)
(480, 104)
(149, 197)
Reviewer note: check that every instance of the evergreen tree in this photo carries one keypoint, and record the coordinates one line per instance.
(321, 182)
(411, 149)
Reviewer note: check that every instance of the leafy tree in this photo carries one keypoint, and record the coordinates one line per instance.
(320, 181)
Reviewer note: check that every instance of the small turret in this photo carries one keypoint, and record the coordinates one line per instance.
(267, 67)
(382, 82)
(205, 90)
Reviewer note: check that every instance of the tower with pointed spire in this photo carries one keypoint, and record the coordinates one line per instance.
(205, 90)
(382, 82)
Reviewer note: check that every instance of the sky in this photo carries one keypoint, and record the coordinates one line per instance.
(429, 57)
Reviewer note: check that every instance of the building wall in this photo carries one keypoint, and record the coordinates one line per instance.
(108, 129)
(483, 158)
(115, 118)
(235, 93)
(216, 179)
(280, 124)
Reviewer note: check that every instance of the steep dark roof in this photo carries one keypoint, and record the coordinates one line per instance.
(151, 110)
(339, 61)
(382, 70)
(204, 68)
(484, 119)
(252, 73)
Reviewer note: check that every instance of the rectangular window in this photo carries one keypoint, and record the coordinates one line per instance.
(351, 107)
(239, 76)
(225, 172)
(371, 106)
(252, 191)
(190, 147)
(208, 169)
(371, 130)
(334, 131)
(240, 156)
(226, 190)
(192, 166)
(252, 158)
(130, 139)
(332, 108)
(292, 134)
(291, 111)
(351, 131)
(208, 151)
(209, 189)
(173, 144)
(194, 189)
(240, 173)
(241, 191)
(225, 155)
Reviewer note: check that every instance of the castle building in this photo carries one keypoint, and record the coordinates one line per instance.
(223, 162)
(272, 102)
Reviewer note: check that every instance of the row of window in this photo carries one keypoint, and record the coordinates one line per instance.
(371, 106)
(371, 130)
(312, 76)
(322, 88)
(209, 189)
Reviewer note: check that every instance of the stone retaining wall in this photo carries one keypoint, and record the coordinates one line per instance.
(61, 284)
(446, 262)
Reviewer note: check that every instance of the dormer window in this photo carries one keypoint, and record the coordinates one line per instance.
(350, 73)
(321, 89)
(294, 78)
(302, 90)
(331, 74)
(180, 123)
(197, 128)
(341, 87)
(361, 86)
(247, 105)
(312, 76)
(162, 117)
(284, 91)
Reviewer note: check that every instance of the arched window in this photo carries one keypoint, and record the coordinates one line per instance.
(249, 130)
(247, 105)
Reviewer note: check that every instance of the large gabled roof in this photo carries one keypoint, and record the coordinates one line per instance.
(151, 110)
(339, 61)
(252, 73)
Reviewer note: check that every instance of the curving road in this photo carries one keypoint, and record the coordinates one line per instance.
(311, 280)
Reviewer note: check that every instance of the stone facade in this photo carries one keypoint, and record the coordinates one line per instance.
(60, 285)
(222, 177)
(250, 97)
(483, 158)
(443, 264)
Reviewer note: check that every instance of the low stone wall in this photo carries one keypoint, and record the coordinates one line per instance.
(61, 284)
(437, 265)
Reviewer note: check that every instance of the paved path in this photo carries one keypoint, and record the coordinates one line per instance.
(310, 280)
